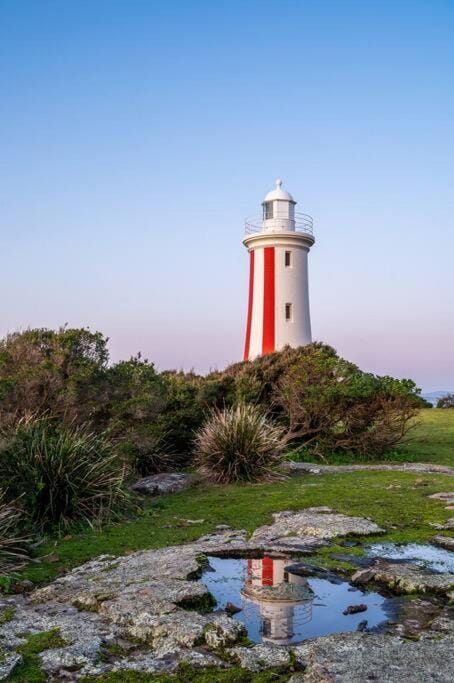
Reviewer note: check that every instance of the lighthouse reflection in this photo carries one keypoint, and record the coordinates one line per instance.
(277, 592)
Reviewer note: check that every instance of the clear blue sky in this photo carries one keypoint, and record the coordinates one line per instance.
(136, 136)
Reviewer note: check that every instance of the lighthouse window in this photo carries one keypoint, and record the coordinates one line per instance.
(288, 312)
(267, 210)
(288, 259)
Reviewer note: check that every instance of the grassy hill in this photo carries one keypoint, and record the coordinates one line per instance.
(432, 439)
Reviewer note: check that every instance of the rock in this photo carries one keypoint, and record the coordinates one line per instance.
(8, 663)
(405, 578)
(168, 482)
(353, 559)
(230, 608)
(446, 542)
(222, 527)
(446, 497)
(449, 524)
(223, 631)
(315, 523)
(361, 657)
(355, 609)
(140, 597)
(316, 468)
(261, 657)
(362, 626)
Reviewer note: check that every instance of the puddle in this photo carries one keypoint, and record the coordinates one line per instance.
(438, 559)
(282, 607)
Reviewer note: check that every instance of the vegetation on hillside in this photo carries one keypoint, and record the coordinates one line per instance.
(73, 427)
(322, 401)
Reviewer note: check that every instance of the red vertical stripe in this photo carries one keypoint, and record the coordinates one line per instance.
(268, 342)
(249, 308)
(267, 571)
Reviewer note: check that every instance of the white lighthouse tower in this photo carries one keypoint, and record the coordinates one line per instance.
(278, 306)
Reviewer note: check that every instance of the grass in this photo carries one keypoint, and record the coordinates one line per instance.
(29, 670)
(187, 674)
(432, 440)
(392, 499)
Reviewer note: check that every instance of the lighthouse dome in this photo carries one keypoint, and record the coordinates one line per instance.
(279, 193)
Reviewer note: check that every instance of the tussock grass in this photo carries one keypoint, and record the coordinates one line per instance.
(238, 444)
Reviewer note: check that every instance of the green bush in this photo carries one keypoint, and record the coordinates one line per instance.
(60, 372)
(63, 474)
(13, 546)
(446, 402)
(238, 444)
(325, 403)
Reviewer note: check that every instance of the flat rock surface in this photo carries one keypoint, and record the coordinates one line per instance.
(446, 497)
(405, 577)
(445, 542)
(314, 522)
(140, 612)
(359, 657)
(419, 467)
(447, 525)
(167, 482)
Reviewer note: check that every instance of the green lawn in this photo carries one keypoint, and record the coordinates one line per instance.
(432, 440)
(397, 501)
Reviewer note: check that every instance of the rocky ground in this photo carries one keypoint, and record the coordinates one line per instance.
(147, 612)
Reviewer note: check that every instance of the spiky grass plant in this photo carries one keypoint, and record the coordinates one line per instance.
(62, 474)
(13, 546)
(238, 444)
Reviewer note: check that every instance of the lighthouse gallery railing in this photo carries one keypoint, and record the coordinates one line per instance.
(303, 223)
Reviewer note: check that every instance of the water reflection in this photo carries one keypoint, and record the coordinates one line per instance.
(282, 607)
(276, 592)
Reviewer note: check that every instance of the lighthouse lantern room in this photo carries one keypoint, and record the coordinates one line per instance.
(278, 305)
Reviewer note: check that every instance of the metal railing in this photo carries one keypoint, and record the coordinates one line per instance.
(303, 223)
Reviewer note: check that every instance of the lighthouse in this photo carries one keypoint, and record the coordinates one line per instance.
(278, 305)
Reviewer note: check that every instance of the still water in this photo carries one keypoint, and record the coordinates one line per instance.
(423, 555)
(278, 606)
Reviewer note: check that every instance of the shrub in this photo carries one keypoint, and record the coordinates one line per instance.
(60, 372)
(63, 474)
(238, 444)
(13, 547)
(446, 402)
(330, 406)
(324, 402)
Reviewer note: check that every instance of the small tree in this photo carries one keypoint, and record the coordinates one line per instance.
(446, 402)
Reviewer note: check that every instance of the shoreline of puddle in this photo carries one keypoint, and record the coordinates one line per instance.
(285, 601)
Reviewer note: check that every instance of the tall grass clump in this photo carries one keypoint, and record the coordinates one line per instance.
(238, 444)
(13, 547)
(62, 474)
